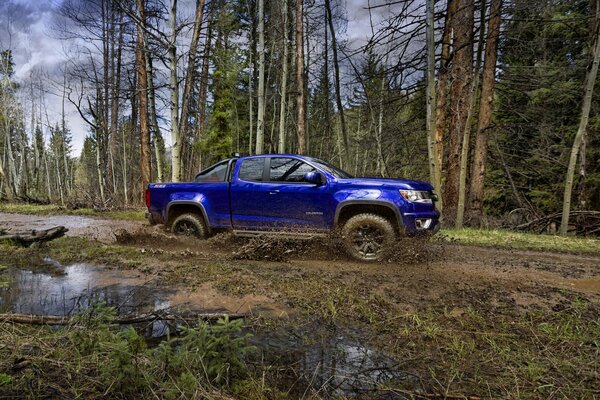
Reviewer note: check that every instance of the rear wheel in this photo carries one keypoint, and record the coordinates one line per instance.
(189, 225)
(368, 237)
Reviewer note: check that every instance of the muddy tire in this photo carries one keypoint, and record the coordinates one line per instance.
(189, 225)
(368, 237)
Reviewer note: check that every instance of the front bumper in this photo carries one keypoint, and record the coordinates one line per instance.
(421, 223)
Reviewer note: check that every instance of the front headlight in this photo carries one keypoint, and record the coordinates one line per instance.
(417, 196)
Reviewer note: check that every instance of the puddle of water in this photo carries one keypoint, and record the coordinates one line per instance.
(335, 366)
(53, 289)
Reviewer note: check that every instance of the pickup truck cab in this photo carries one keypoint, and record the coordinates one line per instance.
(297, 196)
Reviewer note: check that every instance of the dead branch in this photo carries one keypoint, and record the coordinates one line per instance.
(27, 239)
(124, 320)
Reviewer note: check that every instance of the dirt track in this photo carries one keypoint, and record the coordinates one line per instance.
(423, 271)
(521, 324)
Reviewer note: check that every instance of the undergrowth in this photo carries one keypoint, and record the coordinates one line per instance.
(93, 358)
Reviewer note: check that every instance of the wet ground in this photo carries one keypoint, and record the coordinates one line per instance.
(315, 293)
(103, 230)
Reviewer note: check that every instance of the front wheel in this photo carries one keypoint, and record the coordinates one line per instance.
(368, 237)
(189, 225)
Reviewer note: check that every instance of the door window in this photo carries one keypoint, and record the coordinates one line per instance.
(252, 169)
(288, 170)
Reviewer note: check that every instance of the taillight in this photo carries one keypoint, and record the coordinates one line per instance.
(147, 197)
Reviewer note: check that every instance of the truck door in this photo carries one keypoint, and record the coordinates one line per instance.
(282, 200)
(297, 203)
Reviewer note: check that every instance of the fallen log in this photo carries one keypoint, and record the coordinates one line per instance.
(27, 239)
(33, 319)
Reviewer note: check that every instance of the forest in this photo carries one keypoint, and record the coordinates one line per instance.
(492, 101)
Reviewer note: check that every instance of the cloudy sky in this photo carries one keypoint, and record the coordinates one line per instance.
(26, 28)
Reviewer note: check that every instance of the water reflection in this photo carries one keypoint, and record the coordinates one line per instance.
(53, 289)
(336, 366)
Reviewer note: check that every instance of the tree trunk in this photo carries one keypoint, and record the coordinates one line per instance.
(190, 74)
(300, 96)
(441, 122)
(203, 92)
(260, 119)
(434, 168)
(338, 94)
(462, 74)
(284, 76)
(485, 114)
(142, 95)
(174, 101)
(159, 144)
(590, 80)
(466, 141)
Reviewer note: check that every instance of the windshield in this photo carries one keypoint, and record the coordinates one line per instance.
(335, 171)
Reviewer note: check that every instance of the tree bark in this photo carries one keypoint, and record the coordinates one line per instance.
(485, 114)
(590, 80)
(462, 74)
(260, 119)
(203, 92)
(300, 96)
(434, 168)
(441, 122)
(174, 100)
(159, 144)
(284, 76)
(466, 141)
(142, 95)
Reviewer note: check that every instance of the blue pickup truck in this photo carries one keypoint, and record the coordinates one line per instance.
(297, 196)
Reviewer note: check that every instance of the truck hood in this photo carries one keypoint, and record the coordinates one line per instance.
(386, 182)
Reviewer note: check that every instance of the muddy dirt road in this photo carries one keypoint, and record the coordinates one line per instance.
(424, 270)
(461, 320)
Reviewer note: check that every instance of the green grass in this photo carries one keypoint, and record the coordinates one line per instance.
(522, 241)
(53, 209)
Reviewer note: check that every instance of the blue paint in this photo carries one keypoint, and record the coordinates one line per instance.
(286, 197)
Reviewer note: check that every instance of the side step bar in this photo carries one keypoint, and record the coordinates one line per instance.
(280, 234)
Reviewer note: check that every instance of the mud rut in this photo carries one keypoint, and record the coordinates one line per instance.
(419, 269)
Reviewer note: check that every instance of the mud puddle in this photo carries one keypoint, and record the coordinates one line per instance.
(92, 228)
(338, 365)
(54, 289)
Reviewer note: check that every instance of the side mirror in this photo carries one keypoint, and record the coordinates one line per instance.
(314, 177)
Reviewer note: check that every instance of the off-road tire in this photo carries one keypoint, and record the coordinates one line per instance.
(368, 237)
(189, 224)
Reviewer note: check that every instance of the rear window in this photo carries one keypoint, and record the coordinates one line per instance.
(216, 173)
(252, 169)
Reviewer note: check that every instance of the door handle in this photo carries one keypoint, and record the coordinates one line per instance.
(273, 191)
